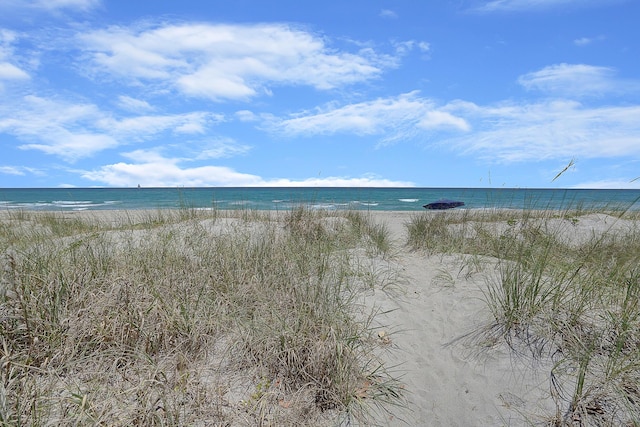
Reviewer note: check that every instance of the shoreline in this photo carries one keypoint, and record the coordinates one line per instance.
(374, 199)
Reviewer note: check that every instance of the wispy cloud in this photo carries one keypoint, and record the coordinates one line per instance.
(222, 62)
(54, 127)
(585, 41)
(129, 103)
(62, 4)
(505, 132)
(19, 170)
(50, 5)
(404, 47)
(582, 41)
(558, 129)
(392, 119)
(8, 68)
(577, 80)
(523, 5)
(388, 13)
(246, 116)
(141, 127)
(11, 170)
(214, 148)
(73, 130)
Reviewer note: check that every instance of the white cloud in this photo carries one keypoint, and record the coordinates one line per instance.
(246, 116)
(403, 47)
(134, 105)
(218, 148)
(20, 170)
(141, 127)
(57, 128)
(72, 146)
(6, 38)
(197, 150)
(147, 156)
(50, 5)
(520, 5)
(11, 72)
(66, 4)
(573, 79)
(190, 128)
(227, 61)
(577, 80)
(506, 133)
(8, 69)
(582, 41)
(424, 46)
(557, 129)
(392, 118)
(442, 119)
(76, 130)
(152, 169)
(388, 13)
(11, 170)
(168, 174)
(585, 41)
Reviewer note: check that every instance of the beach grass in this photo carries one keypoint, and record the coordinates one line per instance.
(189, 317)
(554, 297)
(245, 317)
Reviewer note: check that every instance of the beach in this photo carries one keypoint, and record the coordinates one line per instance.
(432, 309)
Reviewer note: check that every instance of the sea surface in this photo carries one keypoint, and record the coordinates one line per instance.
(281, 198)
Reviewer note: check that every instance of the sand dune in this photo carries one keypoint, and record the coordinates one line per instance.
(434, 326)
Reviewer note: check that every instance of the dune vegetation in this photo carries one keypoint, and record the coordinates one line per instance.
(207, 317)
(188, 317)
(560, 295)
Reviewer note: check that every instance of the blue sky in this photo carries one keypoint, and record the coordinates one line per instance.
(438, 93)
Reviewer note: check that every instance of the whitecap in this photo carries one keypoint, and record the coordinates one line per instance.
(71, 202)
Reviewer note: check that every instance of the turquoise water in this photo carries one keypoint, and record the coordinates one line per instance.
(379, 199)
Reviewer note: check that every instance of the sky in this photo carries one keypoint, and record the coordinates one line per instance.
(381, 93)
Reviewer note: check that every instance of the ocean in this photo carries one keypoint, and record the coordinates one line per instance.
(284, 198)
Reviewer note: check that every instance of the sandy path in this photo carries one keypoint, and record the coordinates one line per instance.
(449, 382)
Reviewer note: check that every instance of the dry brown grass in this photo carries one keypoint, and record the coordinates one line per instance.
(187, 318)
